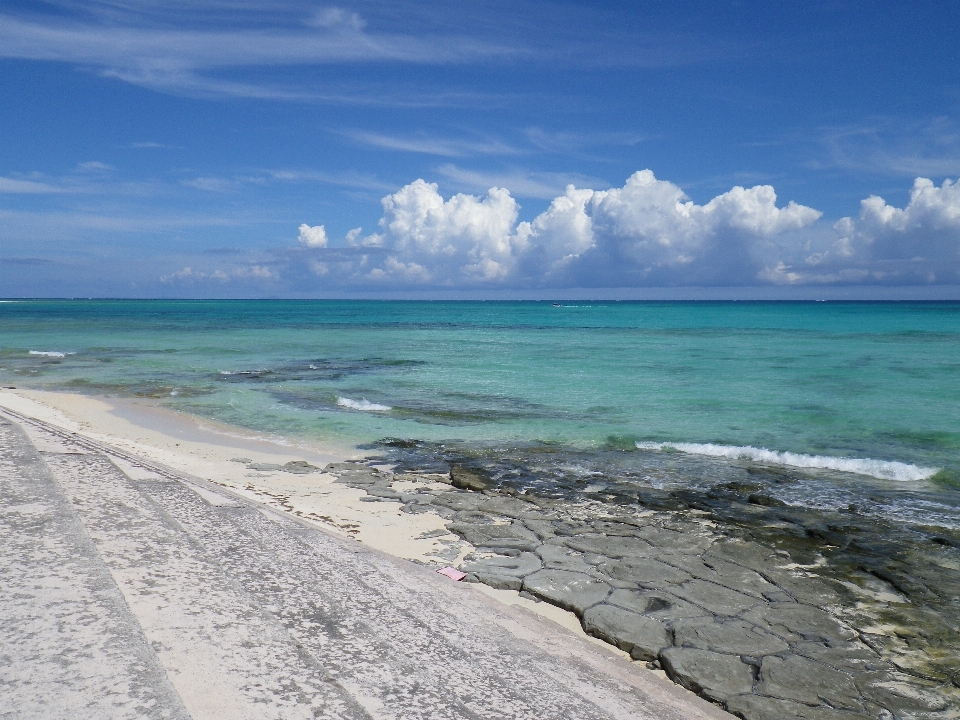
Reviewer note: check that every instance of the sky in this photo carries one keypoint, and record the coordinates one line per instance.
(644, 149)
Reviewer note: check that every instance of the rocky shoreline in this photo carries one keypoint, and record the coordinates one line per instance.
(766, 609)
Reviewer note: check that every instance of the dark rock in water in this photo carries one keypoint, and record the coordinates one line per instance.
(734, 637)
(755, 707)
(569, 590)
(642, 637)
(805, 681)
(711, 674)
(465, 479)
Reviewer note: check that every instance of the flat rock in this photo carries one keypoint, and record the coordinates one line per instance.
(734, 637)
(748, 554)
(569, 590)
(641, 636)
(909, 697)
(459, 500)
(796, 621)
(723, 573)
(715, 598)
(673, 540)
(805, 681)
(646, 572)
(804, 588)
(611, 547)
(509, 507)
(660, 605)
(514, 536)
(503, 573)
(560, 558)
(711, 674)
(755, 707)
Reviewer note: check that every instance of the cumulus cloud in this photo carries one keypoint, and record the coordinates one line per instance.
(312, 237)
(646, 233)
(919, 243)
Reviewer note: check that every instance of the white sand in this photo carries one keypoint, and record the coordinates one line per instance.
(207, 449)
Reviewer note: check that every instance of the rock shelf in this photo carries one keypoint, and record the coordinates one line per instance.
(726, 597)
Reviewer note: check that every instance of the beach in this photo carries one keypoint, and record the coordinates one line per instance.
(293, 622)
(755, 503)
(741, 624)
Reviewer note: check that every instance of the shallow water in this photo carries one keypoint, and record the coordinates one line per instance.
(852, 403)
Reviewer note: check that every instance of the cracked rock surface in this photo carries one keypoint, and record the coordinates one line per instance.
(765, 629)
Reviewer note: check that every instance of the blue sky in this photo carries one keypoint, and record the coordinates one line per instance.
(233, 148)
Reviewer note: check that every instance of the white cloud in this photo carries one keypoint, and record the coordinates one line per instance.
(27, 187)
(179, 58)
(312, 237)
(444, 147)
(188, 274)
(446, 242)
(648, 233)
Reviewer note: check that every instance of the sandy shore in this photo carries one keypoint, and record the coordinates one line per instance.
(727, 600)
(211, 450)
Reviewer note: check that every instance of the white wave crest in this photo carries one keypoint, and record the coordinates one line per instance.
(50, 353)
(362, 404)
(883, 469)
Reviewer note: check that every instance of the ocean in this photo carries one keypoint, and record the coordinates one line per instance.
(834, 406)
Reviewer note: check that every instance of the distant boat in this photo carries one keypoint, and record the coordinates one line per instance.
(557, 305)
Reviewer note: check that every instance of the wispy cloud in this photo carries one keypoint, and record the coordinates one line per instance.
(444, 147)
(27, 187)
(186, 59)
(890, 147)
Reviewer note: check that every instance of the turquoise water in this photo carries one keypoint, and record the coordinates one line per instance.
(861, 392)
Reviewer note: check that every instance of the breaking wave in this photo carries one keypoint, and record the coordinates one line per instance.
(362, 404)
(50, 353)
(883, 469)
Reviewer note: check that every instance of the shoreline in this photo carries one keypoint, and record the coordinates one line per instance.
(686, 592)
(207, 449)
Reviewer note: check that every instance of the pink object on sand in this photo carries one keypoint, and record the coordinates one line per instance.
(452, 573)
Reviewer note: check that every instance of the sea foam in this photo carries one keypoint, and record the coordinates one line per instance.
(49, 353)
(883, 469)
(363, 404)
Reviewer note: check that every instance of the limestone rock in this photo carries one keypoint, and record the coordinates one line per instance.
(713, 675)
(642, 637)
(715, 598)
(504, 573)
(612, 547)
(802, 680)
(570, 590)
(514, 536)
(560, 558)
(796, 621)
(646, 572)
(909, 697)
(660, 605)
(755, 707)
(734, 637)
